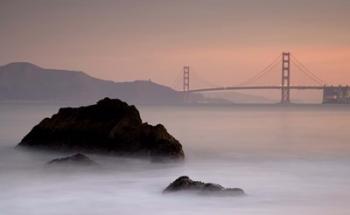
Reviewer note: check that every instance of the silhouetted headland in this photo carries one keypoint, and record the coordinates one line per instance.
(23, 81)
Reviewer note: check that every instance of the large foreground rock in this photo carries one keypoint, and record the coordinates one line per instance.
(110, 126)
(184, 183)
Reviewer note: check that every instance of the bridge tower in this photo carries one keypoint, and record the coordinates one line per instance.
(186, 79)
(285, 87)
(186, 83)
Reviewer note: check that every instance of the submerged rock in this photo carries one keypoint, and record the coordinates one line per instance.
(184, 183)
(75, 159)
(111, 126)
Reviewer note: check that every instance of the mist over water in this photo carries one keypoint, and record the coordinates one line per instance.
(290, 160)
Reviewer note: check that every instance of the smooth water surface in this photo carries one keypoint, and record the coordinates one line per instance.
(289, 160)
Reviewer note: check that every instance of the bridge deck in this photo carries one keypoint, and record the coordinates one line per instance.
(256, 88)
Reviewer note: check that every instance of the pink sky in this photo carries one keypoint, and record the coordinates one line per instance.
(224, 42)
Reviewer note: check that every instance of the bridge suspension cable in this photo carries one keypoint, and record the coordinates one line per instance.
(261, 73)
(176, 82)
(200, 79)
(306, 71)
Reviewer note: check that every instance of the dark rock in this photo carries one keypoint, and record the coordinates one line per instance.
(110, 126)
(184, 183)
(78, 158)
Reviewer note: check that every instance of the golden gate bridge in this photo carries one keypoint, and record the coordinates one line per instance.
(331, 94)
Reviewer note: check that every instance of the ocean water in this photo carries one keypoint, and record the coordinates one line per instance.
(289, 160)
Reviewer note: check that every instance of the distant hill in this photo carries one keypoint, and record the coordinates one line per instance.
(23, 81)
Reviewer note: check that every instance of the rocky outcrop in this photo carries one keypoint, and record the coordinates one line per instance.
(76, 159)
(184, 183)
(111, 126)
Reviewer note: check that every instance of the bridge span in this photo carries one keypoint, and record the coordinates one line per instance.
(331, 94)
(256, 88)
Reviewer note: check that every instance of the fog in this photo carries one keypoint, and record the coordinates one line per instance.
(290, 160)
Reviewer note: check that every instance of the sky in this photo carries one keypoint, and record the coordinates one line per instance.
(224, 41)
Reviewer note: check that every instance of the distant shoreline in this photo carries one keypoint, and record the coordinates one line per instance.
(233, 105)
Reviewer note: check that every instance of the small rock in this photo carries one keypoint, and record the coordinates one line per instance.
(76, 159)
(184, 183)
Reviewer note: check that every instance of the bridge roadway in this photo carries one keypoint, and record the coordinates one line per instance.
(256, 88)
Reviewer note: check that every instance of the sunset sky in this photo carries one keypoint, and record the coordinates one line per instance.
(224, 41)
